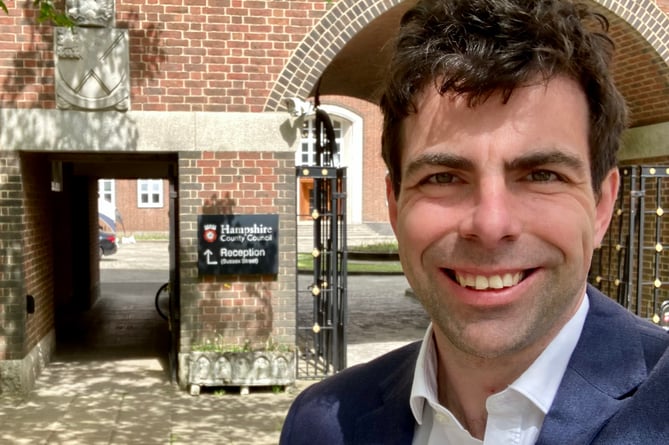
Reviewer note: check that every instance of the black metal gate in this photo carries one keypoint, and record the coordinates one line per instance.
(321, 306)
(632, 265)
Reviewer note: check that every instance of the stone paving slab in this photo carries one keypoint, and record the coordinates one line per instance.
(102, 409)
(138, 406)
(117, 400)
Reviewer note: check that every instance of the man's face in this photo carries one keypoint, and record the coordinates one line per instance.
(496, 217)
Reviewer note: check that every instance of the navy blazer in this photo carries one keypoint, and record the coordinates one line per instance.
(615, 391)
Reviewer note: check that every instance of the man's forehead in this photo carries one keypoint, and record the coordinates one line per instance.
(499, 95)
(538, 117)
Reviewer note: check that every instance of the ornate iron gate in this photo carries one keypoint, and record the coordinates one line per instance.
(321, 306)
(632, 264)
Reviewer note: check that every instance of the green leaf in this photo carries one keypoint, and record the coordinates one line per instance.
(47, 13)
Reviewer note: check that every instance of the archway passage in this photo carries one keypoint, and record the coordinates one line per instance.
(100, 307)
(122, 323)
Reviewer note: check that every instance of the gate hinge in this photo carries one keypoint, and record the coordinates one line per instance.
(637, 193)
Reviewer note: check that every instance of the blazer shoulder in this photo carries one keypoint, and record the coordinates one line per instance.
(615, 324)
(327, 411)
(655, 341)
(643, 416)
(380, 373)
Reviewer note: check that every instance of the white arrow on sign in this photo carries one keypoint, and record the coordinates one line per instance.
(208, 253)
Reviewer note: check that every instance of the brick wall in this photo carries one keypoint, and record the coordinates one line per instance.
(222, 55)
(12, 307)
(229, 55)
(38, 254)
(238, 308)
(226, 55)
(139, 219)
(644, 89)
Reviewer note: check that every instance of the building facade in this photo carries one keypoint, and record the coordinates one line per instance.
(194, 93)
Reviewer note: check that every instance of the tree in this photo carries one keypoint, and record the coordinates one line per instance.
(47, 13)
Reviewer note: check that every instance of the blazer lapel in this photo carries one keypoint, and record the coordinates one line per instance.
(392, 423)
(607, 365)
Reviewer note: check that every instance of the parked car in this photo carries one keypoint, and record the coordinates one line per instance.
(107, 243)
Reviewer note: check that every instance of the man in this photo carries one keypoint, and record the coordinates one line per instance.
(501, 129)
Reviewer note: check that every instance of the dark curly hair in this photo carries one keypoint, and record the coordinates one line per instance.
(477, 48)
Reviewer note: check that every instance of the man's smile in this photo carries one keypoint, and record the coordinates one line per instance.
(484, 282)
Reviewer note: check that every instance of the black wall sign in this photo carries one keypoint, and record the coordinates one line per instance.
(238, 244)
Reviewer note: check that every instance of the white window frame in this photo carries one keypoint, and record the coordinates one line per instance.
(308, 144)
(107, 195)
(151, 188)
(349, 153)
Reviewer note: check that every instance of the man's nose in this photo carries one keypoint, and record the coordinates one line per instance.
(494, 215)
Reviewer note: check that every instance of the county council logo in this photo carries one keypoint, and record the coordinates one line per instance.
(209, 235)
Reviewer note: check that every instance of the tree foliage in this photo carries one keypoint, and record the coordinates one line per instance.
(46, 13)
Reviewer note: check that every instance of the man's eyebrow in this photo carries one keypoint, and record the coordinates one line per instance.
(439, 160)
(524, 162)
(546, 157)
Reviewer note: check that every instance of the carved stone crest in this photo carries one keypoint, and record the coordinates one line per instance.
(92, 68)
(96, 13)
(68, 44)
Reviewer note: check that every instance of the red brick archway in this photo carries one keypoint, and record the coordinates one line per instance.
(347, 50)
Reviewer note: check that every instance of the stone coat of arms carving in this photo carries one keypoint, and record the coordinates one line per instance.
(92, 68)
(99, 13)
(91, 59)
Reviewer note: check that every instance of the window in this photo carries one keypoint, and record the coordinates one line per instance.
(349, 149)
(106, 191)
(149, 193)
(107, 213)
(307, 153)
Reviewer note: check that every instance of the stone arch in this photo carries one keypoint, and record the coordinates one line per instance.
(321, 45)
(646, 17)
(639, 28)
(640, 22)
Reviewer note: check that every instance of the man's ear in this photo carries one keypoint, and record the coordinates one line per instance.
(391, 200)
(604, 208)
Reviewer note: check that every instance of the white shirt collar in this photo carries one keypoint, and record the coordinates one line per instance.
(539, 383)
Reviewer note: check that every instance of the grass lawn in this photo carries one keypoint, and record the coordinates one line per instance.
(305, 263)
(389, 247)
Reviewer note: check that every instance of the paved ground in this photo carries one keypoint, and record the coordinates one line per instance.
(108, 383)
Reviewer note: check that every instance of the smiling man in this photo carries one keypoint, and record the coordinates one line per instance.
(501, 129)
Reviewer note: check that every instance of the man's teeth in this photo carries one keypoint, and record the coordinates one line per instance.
(480, 282)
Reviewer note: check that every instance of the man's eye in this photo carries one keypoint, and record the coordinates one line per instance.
(543, 176)
(441, 178)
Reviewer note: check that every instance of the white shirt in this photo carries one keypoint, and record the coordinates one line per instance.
(515, 415)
